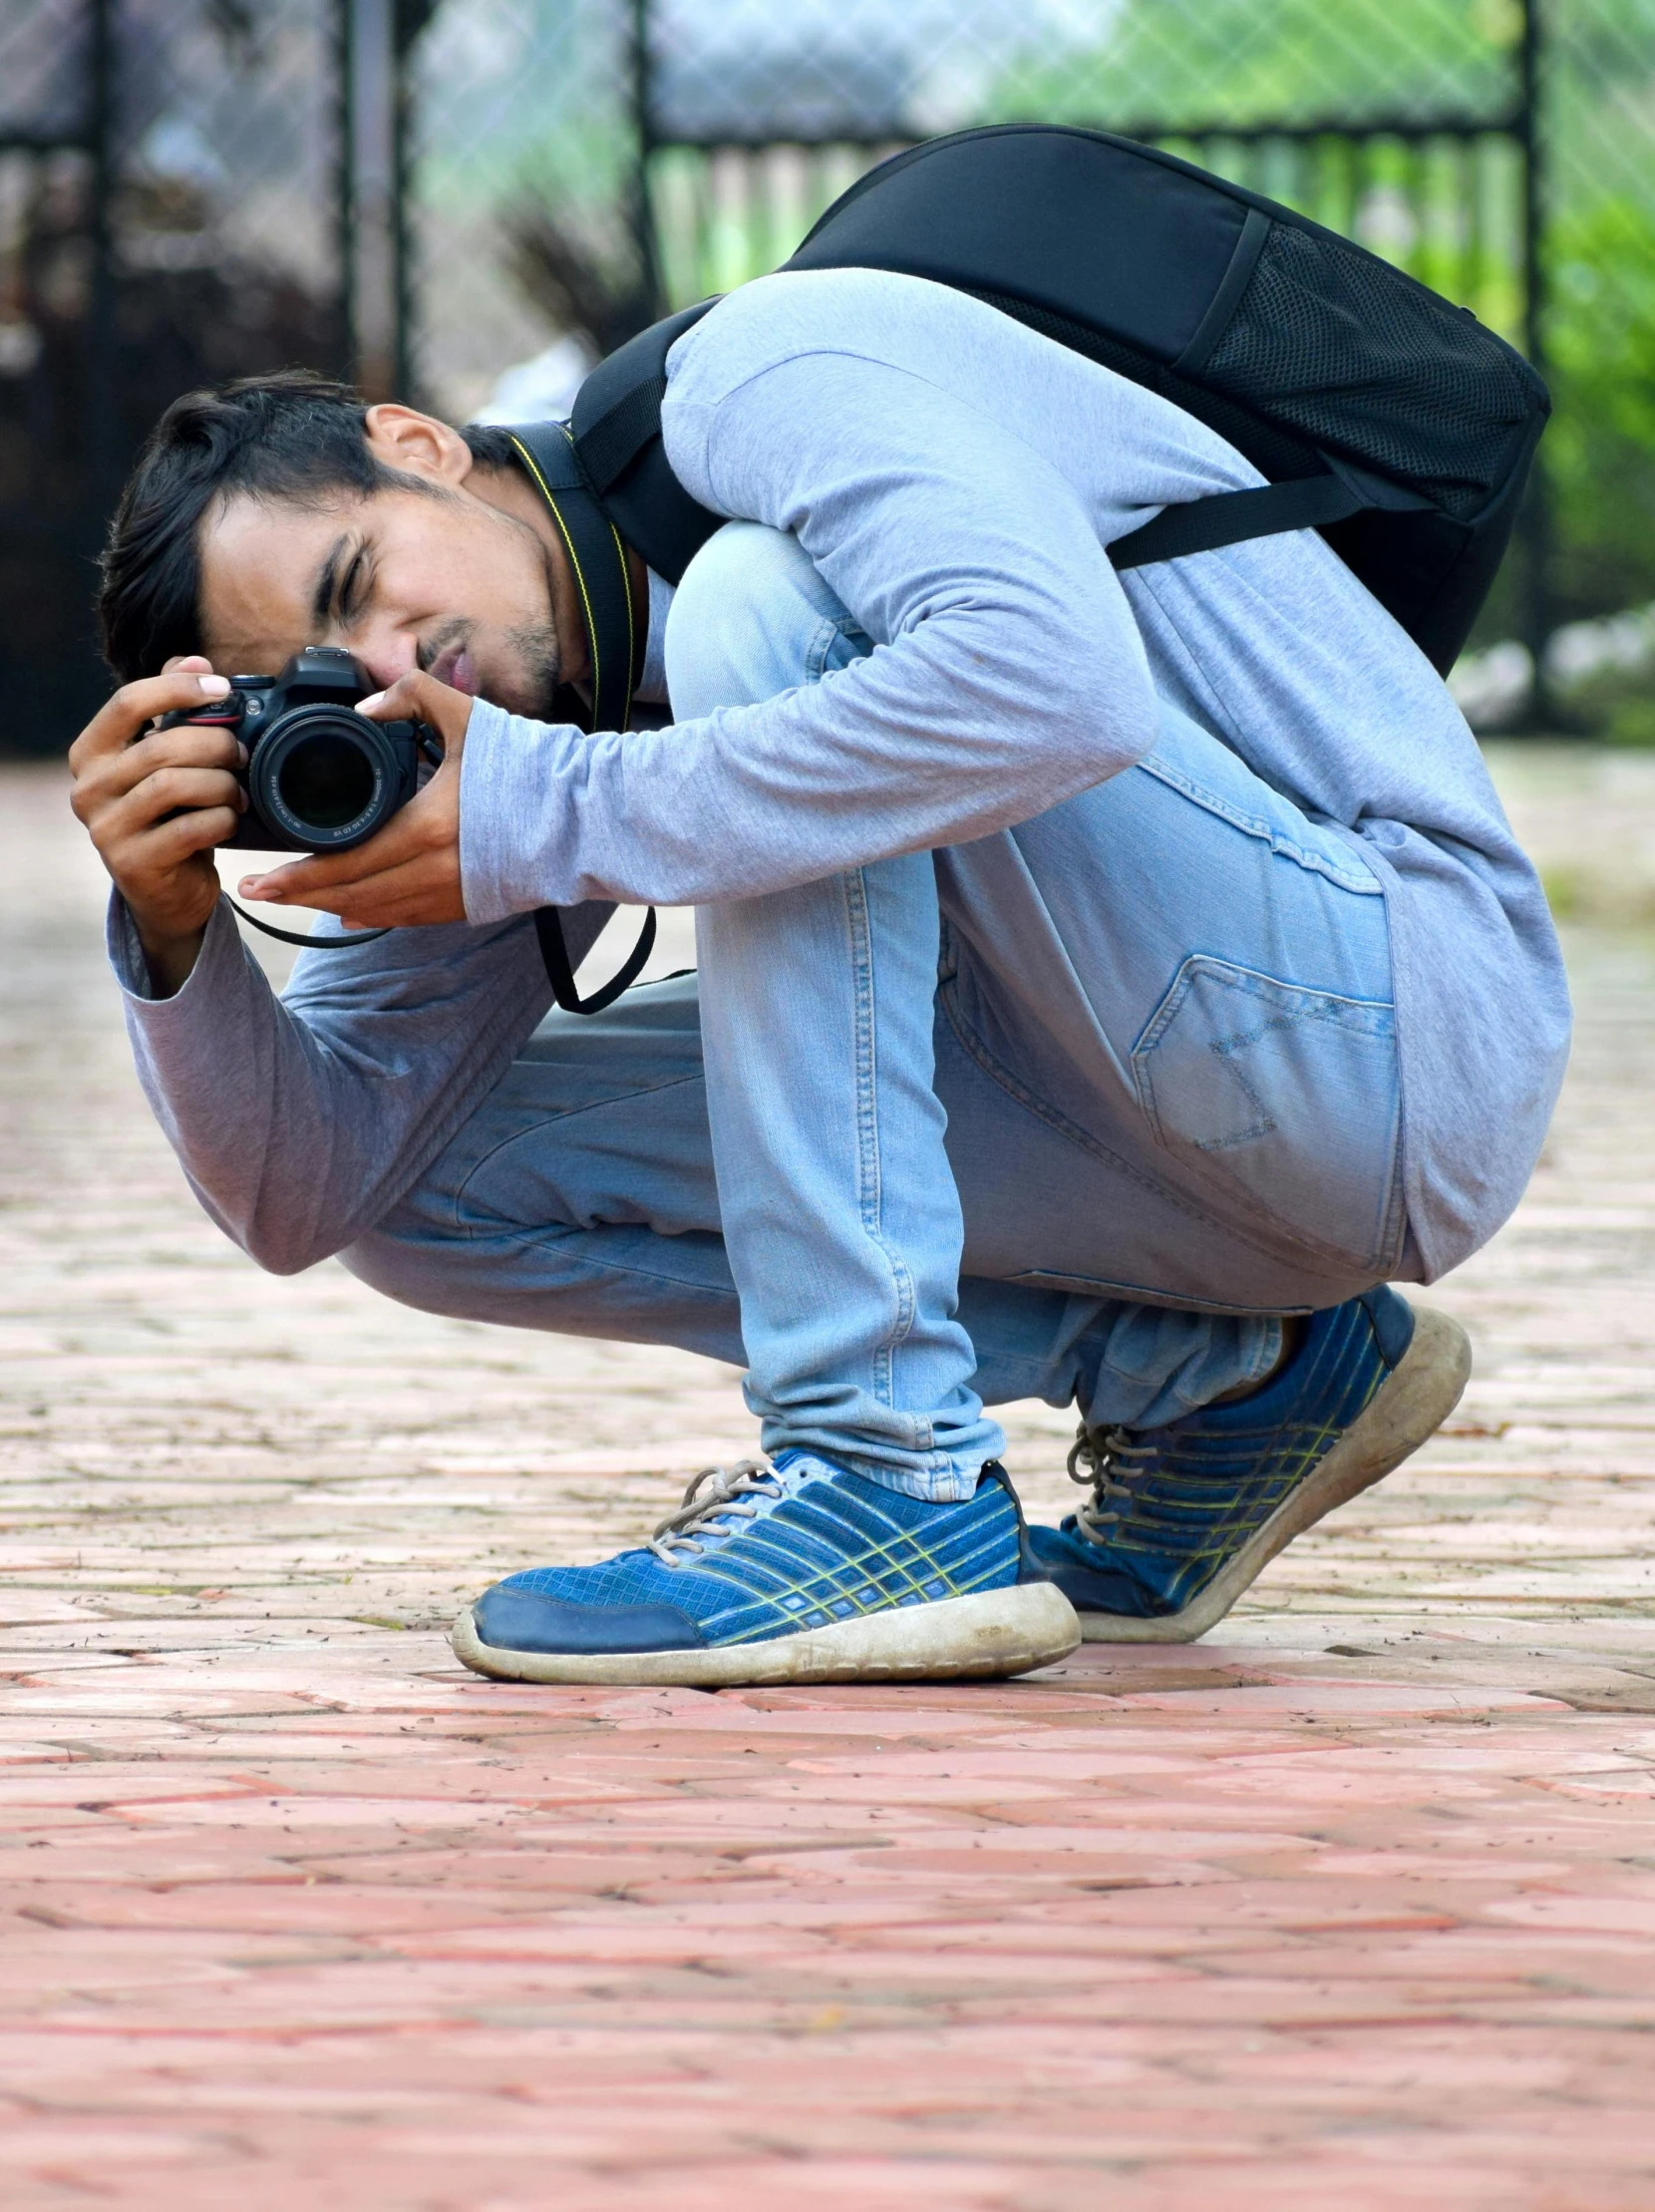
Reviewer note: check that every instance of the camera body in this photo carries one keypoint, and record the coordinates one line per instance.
(320, 778)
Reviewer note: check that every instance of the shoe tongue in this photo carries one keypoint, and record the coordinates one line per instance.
(797, 1467)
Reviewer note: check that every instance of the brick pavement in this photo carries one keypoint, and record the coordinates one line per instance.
(1355, 1900)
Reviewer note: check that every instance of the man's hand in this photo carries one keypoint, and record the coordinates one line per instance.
(155, 805)
(409, 871)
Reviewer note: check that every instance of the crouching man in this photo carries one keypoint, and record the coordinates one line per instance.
(1107, 986)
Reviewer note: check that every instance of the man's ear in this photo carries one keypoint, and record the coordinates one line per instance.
(419, 445)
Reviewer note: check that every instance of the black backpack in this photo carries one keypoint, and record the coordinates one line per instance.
(1381, 415)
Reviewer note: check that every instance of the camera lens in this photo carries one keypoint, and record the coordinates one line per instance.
(325, 782)
(324, 778)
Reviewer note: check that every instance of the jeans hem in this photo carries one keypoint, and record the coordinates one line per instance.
(949, 1485)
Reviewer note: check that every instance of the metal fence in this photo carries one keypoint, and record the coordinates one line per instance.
(168, 214)
(467, 201)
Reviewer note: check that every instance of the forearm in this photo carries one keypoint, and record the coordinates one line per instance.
(1008, 672)
(868, 764)
(300, 1121)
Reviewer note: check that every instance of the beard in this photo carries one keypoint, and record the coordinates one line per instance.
(538, 671)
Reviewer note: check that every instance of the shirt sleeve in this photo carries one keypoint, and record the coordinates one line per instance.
(1006, 674)
(300, 1120)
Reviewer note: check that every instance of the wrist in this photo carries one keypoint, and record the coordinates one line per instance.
(169, 954)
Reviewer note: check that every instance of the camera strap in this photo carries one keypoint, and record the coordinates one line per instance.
(293, 936)
(549, 929)
(604, 591)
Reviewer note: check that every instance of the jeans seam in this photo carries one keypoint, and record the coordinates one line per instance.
(529, 1239)
(821, 646)
(1364, 885)
(870, 1194)
(545, 1120)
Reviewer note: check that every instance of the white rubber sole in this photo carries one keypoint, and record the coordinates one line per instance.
(1407, 1409)
(994, 1633)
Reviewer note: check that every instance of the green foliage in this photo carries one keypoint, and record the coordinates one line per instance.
(1449, 215)
(1600, 449)
(1633, 722)
(1189, 64)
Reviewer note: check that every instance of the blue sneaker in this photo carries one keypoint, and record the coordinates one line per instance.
(798, 1572)
(1182, 1518)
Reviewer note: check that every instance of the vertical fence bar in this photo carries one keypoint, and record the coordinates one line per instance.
(344, 213)
(1535, 523)
(373, 229)
(407, 24)
(642, 214)
(102, 431)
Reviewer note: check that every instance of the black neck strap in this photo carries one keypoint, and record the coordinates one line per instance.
(598, 559)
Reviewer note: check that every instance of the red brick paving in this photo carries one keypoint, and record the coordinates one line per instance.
(1353, 1904)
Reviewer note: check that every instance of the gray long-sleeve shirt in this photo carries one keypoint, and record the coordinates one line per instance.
(956, 479)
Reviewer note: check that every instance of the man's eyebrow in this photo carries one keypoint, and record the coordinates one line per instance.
(326, 590)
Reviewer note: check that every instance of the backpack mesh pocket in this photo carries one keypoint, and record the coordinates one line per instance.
(1357, 357)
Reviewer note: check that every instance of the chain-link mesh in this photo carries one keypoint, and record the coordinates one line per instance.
(1598, 143)
(523, 168)
(1401, 123)
(541, 132)
(210, 253)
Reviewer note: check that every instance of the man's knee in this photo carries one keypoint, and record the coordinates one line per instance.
(748, 620)
(421, 1256)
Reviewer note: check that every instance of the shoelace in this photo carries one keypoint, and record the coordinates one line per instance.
(715, 1494)
(1106, 1463)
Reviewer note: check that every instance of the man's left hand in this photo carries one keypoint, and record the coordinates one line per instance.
(409, 871)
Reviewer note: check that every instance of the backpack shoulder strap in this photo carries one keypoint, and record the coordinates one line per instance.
(1228, 517)
(616, 427)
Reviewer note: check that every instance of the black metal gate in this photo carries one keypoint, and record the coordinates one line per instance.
(167, 215)
(423, 191)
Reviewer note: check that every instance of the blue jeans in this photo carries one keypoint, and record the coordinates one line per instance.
(1078, 1110)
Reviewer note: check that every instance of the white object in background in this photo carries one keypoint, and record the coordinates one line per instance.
(1580, 650)
(1492, 688)
(542, 390)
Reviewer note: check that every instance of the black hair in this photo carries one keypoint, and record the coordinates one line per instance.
(290, 435)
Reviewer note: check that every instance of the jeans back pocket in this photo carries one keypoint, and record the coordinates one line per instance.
(1285, 1101)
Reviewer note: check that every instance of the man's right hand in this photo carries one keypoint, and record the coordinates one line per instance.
(156, 802)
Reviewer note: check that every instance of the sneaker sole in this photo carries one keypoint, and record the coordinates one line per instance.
(1413, 1404)
(994, 1633)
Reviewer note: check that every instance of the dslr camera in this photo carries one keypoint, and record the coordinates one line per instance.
(320, 778)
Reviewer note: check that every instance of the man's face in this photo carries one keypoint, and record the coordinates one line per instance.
(439, 579)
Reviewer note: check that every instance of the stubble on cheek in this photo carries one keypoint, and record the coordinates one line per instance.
(537, 669)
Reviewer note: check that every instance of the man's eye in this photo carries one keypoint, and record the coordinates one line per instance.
(353, 592)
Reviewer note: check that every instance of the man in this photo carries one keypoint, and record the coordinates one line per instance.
(1107, 984)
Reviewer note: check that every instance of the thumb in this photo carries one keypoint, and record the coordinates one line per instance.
(418, 697)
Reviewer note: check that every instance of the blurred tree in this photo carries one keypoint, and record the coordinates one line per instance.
(1202, 66)
(1194, 63)
(1601, 445)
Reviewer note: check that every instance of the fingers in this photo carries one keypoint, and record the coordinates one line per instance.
(418, 697)
(409, 873)
(309, 882)
(140, 782)
(164, 845)
(169, 790)
(427, 826)
(417, 892)
(185, 746)
(122, 717)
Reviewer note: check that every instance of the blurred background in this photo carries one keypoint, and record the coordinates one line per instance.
(465, 203)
